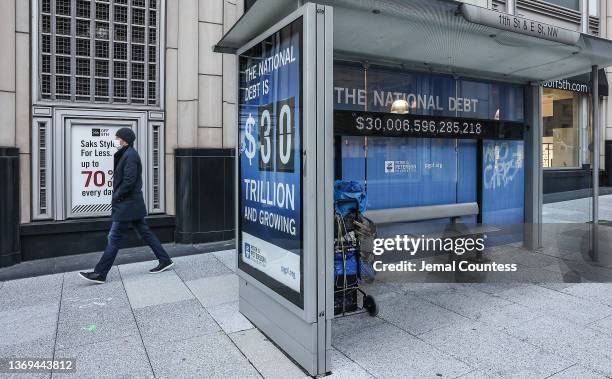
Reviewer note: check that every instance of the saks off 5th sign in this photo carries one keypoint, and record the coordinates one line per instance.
(519, 25)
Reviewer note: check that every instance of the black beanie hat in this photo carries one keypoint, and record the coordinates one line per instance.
(127, 135)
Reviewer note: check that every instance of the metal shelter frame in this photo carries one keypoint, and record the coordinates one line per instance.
(445, 36)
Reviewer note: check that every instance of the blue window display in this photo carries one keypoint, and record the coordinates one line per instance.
(376, 88)
(425, 94)
(503, 182)
(467, 171)
(351, 77)
(411, 172)
(353, 158)
(495, 101)
(401, 171)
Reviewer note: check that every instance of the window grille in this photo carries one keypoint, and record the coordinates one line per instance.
(42, 147)
(156, 167)
(102, 51)
(42, 167)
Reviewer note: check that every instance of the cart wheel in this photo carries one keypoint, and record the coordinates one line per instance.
(370, 305)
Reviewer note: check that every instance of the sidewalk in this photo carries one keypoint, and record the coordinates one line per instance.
(178, 324)
(577, 210)
(468, 331)
(185, 324)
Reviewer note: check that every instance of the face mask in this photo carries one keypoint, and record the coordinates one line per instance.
(117, 145)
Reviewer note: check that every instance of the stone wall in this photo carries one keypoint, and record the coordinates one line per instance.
(15, 89)
(200, 84)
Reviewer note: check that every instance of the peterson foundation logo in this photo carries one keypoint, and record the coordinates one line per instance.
(399, 166)
(389, 166)
(253, 254)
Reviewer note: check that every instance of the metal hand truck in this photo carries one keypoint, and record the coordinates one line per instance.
(347, 264)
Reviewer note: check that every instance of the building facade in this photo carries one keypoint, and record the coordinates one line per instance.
(73, 71)
(76, 70)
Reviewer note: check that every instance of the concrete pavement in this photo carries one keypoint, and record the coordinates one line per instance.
(577, 210)
(185, 324)
(512, 330)
(182, 323)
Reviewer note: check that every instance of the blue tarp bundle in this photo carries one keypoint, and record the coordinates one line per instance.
(351, 263)
(349, 190)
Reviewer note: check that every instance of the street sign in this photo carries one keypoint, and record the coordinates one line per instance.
(521, 25)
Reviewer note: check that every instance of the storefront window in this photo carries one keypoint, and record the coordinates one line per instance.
(561, 144)
(593, 7)
(571, 4)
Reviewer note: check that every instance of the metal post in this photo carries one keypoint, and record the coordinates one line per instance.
(324, 178)
(533, 166)
(596, 157)
(511, 7)
(584, 13)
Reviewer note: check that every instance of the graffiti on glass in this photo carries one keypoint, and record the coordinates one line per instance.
(502, 165)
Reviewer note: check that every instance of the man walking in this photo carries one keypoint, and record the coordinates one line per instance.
(128, 208)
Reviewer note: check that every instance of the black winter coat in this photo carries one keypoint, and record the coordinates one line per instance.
(128, 202)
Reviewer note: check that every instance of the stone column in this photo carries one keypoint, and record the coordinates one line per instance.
(9, 206)
(210, 71)
(171, 89)
(9, 153)
(232, 12)
(7, 73)
(187, 90)
(23, 124)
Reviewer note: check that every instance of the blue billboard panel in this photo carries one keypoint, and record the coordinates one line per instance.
(426, 94)
(496, 101)
(411, 172)
(467, 171)
(353, 158)
(270, 163)
(349, 87)
(408, 137)
(503, 196)
(402, 172)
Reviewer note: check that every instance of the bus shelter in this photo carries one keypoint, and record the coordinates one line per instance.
(342, 90)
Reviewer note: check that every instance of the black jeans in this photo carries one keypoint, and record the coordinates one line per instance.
(114, 239)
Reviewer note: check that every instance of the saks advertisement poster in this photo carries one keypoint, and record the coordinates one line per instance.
(270, 159)
(92, 147)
